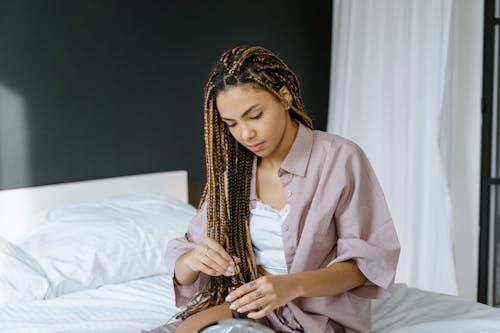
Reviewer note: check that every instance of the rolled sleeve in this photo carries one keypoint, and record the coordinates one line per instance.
(366, 232)
(377, 262)
(178, 246)
(184, 293)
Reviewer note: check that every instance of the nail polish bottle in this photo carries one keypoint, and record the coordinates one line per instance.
(236, 282)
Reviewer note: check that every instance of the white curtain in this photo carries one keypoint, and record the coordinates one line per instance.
(389, 95)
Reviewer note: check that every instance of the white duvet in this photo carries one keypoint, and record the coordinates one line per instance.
(98, 267)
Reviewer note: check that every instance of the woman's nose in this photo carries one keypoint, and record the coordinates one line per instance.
(247, 133)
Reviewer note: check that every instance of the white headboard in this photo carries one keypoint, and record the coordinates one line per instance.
(18, 205)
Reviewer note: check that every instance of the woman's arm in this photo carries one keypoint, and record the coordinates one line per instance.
(272, 291)
(183, 274)
(332, 280)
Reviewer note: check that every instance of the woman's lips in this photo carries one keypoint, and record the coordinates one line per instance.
(256, 148)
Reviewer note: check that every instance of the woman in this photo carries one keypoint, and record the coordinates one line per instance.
(300, 212)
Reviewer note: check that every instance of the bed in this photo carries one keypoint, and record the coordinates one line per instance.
(88, 257)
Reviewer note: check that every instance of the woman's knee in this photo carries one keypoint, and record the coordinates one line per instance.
(205, 317)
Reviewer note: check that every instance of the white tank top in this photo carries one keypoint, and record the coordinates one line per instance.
(265, 231)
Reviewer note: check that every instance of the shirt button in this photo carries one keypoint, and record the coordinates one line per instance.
(289, 195)
(285, 227)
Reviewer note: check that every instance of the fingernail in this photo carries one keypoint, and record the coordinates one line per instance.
(218, 274)
(232, 306)
(228, 298)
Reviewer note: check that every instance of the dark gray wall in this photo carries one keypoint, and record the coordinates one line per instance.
(92, 89)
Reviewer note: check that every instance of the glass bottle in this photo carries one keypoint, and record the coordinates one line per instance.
(236, 282)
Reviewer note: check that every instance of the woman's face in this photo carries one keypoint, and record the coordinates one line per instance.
(256, 119)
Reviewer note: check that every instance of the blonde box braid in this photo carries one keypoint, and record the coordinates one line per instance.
(229, 164)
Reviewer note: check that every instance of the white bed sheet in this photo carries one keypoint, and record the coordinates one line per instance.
(148, 303)
(125, 308)
(411, 310)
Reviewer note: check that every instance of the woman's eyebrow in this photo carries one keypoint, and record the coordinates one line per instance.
(244, 113)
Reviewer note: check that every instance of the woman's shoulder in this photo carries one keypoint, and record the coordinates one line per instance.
(334, 154)
(334, 144)
(318, 150)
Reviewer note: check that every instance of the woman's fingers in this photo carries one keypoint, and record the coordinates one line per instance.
(245, 289)
(261, 296)
(255, 303)
(215, 263)
(248, 297)
(218, 258)
(211, 258)
(207, 270)
(260, 313)
(209, 245)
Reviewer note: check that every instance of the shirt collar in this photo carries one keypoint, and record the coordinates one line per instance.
(297, 159)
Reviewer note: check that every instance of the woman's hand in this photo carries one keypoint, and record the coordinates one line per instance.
(210, 258)
(263, 295)
(269, 292)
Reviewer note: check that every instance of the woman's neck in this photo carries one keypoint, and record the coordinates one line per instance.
(274, 160)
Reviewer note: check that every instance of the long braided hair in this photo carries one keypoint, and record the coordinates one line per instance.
(229, 164)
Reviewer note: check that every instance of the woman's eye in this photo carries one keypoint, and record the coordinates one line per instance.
(231, 125)
(257, 116)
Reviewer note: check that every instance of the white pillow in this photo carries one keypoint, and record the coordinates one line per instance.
(114, 240)
(21, 278)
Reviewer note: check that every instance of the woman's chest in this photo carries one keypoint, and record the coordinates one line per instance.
(270, 189)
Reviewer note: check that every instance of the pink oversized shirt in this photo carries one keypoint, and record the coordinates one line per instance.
(337, 212)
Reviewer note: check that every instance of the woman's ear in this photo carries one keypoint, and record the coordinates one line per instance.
(286, 96)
